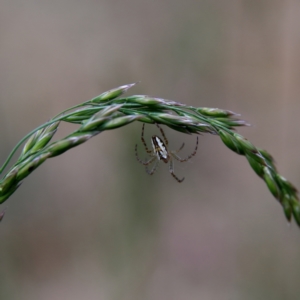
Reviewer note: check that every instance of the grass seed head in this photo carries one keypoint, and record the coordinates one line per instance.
(107, 111)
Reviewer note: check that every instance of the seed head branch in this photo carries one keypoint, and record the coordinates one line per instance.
(111, 110)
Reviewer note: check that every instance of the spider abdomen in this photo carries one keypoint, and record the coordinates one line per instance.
(160, 149)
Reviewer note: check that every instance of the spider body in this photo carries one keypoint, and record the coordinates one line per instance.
(160, 151)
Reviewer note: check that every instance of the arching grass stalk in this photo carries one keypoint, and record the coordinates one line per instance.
(109, 111)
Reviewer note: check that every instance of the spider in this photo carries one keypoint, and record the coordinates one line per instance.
(161, 152)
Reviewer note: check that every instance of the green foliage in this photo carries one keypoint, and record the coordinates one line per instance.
(109, 111)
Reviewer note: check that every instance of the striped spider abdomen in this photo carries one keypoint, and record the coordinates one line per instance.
(160, 149)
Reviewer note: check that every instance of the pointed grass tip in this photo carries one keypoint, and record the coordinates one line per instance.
(113, 93)
(216, 112)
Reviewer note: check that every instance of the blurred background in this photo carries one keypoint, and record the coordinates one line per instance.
(91, 224)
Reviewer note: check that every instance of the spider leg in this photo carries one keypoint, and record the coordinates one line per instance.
(143, 140)
(163, 134)
(189, 157)
(177, 157)
(145, 163)
(176, 151)
(171, 168)
(153, 169)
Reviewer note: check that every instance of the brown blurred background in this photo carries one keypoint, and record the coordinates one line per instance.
(91, 224)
